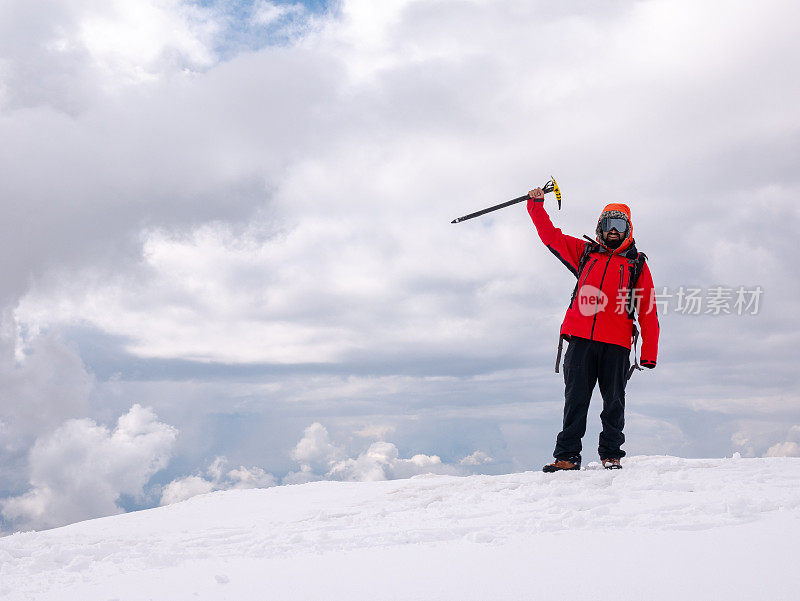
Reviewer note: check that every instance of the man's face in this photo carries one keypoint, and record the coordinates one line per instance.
(614, 230)
(613, 238)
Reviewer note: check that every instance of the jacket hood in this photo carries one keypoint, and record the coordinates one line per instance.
(616, 210)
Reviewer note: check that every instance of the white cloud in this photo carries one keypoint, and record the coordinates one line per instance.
(381, 462)
(784, 449)
(215, 479)
(314, 451)
(765, 437)
(375, 431)
(253, 477)
(42, 384)
(185, 488)
(476, 458)
(742, 441)
(649, 434)
(133, 42)
(68, 55)
(302, 476)
(81, 470)
(320, 459)
(789, 447)
(269, 13)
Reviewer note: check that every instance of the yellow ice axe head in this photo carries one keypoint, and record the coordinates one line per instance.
(552, 186)
(557, 191)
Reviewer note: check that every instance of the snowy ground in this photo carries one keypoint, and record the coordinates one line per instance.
(662, 528)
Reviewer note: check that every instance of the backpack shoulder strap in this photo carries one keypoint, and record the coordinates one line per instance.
(584, 258)
(638, 267)
(591, 247)
(635, 266)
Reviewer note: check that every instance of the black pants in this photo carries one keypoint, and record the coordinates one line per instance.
(586, 363)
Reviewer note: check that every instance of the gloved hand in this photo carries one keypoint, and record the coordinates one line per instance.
(649, 364)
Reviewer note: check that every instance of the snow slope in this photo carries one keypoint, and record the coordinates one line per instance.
(662, 528)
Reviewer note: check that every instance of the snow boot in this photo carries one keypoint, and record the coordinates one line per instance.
(568, 463)
(611, 463)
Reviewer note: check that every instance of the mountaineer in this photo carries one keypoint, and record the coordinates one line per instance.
(614, 287)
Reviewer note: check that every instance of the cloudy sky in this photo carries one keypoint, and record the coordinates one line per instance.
(228, 258)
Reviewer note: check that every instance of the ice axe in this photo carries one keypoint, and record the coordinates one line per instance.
(550, 186)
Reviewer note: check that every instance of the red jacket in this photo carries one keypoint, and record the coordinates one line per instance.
(597, 310)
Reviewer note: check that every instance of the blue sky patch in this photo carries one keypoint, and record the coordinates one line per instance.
(249, 25)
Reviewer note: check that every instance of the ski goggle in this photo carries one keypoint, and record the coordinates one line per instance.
(614, 223)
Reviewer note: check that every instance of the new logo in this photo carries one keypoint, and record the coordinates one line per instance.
(591, 300)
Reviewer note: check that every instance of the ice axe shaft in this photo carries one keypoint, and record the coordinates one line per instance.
(490, 209)
(550, 186)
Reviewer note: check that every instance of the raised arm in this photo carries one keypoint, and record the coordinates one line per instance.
(566, 248)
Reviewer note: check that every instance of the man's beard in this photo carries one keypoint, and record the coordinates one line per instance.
(613, 243)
